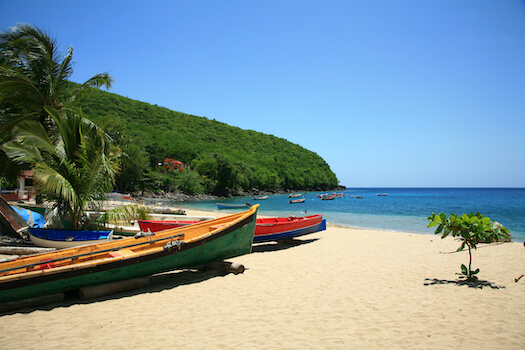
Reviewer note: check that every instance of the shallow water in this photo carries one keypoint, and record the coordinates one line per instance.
(403, 209)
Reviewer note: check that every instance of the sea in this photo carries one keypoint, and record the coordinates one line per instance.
(396, 209)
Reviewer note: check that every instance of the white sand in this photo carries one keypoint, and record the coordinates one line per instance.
(342, 289)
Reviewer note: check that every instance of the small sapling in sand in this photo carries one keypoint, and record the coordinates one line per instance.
(470, 229)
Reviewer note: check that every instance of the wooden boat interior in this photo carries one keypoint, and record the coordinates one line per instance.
(279, 219)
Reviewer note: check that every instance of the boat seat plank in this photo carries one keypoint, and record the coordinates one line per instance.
(216, 227)
(125, 253)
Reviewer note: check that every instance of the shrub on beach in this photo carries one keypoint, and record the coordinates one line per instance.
(470, 229)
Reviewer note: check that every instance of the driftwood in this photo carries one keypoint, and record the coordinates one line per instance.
(225, 266)
(13, 223)
(31, 302)
(90, 292)
(24, 250)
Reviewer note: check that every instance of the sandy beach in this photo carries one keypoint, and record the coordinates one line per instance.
(341, 288)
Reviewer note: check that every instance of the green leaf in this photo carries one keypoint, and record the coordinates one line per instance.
(475, 272)
(433, 223)
(464, 269)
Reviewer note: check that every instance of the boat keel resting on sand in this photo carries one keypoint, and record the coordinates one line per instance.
(146, 254)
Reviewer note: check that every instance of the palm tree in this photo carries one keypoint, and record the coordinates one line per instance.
(73, 167)
(34, 77)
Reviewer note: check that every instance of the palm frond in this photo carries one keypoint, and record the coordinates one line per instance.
(22, 154)
(123, 213)
(55, 184)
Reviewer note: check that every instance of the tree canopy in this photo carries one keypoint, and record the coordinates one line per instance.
(218, 158)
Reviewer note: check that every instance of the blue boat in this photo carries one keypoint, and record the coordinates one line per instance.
(51, 238)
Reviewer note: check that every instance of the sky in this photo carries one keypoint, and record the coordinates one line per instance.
(405, 93)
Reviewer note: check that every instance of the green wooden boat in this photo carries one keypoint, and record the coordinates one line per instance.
(143, 255)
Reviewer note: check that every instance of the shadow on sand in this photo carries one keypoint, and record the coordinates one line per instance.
(157, 284)
(280, 245)
(478, 284)
(160, 282)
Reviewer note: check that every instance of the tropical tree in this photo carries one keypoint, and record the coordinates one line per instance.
(73, 167)
(34, 76)
(34, 79)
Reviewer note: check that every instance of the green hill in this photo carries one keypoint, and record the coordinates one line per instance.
(218, 158)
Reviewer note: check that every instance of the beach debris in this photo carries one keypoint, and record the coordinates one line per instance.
(225, 266)
(31, 302)
(99, 290)
(11, 221)
(12, 250)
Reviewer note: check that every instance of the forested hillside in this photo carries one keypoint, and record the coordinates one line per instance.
(216, 158)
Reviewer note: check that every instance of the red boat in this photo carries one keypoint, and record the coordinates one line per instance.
(278, 229)
(158, 225)
(297, 200)
(328, 197)
(267, 229)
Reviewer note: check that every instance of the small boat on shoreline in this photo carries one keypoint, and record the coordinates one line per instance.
(260, 198)
(131, 227)
(294, 195)
(382, 194)
(158, 225)
(277, 229)
(301, 200)
(266, 229)
(60, 239)
(232, 206)
(146, 254)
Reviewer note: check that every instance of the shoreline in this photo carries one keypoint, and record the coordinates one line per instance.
(340, 288)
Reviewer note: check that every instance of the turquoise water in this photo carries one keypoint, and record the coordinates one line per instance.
(403, 209)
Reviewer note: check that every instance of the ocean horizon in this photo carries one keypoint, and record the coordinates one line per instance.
(400, 210)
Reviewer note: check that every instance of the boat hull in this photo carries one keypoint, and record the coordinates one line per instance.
(297, 200)
(232, 206)
(157, 225)
(266, 231)
(226, 239)
(50, 238)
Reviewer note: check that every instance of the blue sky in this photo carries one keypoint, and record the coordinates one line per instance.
(390, 93)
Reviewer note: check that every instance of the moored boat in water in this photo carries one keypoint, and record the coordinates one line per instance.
(72, 268)
(328, 197)
(301, 200)
(232, 205)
